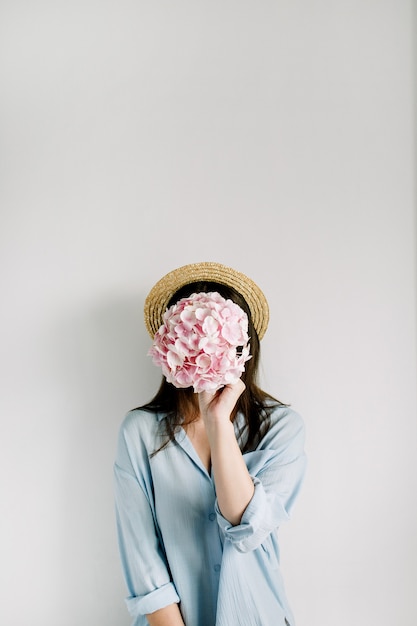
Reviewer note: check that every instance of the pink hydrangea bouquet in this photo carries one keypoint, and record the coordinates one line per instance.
(202, 343)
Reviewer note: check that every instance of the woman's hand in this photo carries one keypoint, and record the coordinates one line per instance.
(218, 406)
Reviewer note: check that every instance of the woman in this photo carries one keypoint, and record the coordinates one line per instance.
(203, 481)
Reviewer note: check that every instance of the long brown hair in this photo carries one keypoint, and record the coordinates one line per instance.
(181, 405)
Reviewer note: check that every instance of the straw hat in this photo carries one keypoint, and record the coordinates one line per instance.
(157, 300)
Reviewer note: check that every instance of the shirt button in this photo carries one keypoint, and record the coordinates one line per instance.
(217, 568)
(212, 517)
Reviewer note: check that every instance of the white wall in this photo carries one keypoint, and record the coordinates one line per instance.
(273, 136)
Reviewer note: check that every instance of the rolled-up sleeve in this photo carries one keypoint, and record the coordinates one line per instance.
(151, 602)
(143, 560)
(277, 469)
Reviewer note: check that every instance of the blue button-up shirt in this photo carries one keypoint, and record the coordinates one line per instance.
(174, 543)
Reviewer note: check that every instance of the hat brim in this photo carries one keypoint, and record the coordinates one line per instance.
(158, 298)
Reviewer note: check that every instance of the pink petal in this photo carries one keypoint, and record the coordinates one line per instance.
(210, 326)
(173, 359)
(203, 361)
(232, 333)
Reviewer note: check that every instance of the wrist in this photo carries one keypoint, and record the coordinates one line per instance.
(219, 430)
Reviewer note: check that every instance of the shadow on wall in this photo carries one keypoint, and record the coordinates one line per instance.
(103, 371)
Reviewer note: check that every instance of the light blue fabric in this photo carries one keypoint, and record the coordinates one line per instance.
(176, 546)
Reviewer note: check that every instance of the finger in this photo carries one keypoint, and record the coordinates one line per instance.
(234, 390)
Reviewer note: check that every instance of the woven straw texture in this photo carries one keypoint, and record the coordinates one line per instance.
(157, 300)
